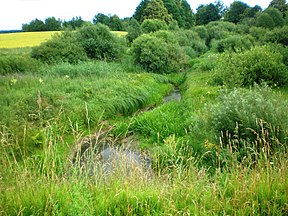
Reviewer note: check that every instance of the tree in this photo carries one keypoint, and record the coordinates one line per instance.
(115, 23)
(51, 24)
(153, 25)
(138, 15)
(99, 42)
(276, 15)
(174, 11)
(178, 10)
(281, 5)
(207, 13)
(251, 12)
(34, 25)
(133, 29)
(270, 18)
(235, 12)
(187, 14)
(101, 18)
(75, 23)
(156, 10)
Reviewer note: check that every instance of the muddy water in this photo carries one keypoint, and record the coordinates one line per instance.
(103, 156)
(175, 95)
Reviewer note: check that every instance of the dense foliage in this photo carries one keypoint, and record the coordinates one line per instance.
(260, 64)
(157, 54)
(90, 42)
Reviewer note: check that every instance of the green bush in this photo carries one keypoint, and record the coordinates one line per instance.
(270, 18)
(219, 30)
(189, 38)
(133, 29)
(156, 55)
(249, 116)
(153, 25)
(258, 33)
(202, 32)
(61, 48)
(98, 42)
(279, 35)
(206, 62)
(17, 63)
(233, 43)
(260, 64)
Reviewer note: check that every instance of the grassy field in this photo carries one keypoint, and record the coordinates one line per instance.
(47, 111)
(30, 39)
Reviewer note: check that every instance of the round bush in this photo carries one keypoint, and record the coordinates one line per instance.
(98, 42)
(153, 25)
(260, 64)
(61, 48)
(233, 43)
(156, 55)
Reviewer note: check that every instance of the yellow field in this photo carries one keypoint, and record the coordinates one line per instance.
(24, 39)
(120, 33)
(30, 39)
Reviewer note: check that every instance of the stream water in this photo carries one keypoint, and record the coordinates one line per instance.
(175, 95)
(99, 155)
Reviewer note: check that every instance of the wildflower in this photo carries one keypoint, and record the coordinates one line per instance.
(13, 81)
(41, 81)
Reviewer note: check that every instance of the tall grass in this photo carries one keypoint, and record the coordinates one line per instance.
(70, 94)
(35, 187)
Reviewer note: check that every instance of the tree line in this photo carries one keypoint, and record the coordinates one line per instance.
(177, 13)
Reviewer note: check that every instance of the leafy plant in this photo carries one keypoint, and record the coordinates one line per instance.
(98, 42)
(156, 55)
(18, 64)
(250, 115)
(61, 48)
(260, 64)
(235, 43)
(153, 25)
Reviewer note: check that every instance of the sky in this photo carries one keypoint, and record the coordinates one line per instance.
(14, 13)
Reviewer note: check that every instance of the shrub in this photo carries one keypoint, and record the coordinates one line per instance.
(233, 43)
(258, 33)
(249, 115)
(61, 48)
(189, 38)
(156, 55)
(153, 25)
(279, 35)
(17, 63)
(202, 32)
(133, 29)
(219, 30)
(270, 18)
(98, 42)
(260, 64)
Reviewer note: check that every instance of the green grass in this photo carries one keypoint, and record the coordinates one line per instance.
(82, 95)
(43, 114)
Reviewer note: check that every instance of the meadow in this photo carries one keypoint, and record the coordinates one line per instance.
(47, 109)
(30, 39)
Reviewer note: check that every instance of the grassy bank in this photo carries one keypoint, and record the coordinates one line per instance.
(38, 184)
(204, 161)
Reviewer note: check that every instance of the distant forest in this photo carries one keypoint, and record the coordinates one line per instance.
(177, 14)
